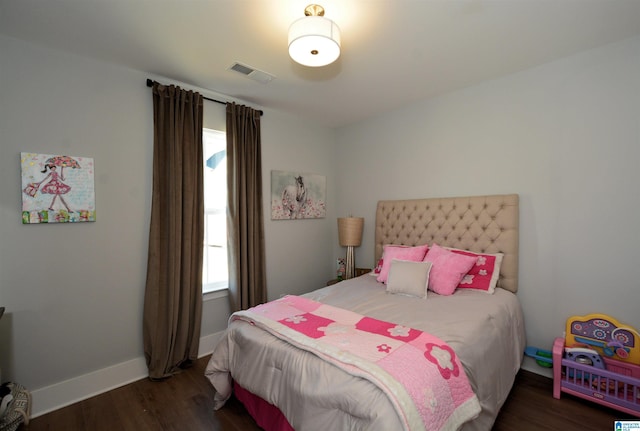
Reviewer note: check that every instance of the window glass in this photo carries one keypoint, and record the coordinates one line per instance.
(215, 272)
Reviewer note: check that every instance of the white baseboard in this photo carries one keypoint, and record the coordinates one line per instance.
(70, 391)
(208, 342)
(529, 364)
(62, 394)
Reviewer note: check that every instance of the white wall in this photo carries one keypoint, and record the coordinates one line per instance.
(299, 252)
(74, 292)
(565, 136)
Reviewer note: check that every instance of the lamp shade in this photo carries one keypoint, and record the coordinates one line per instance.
(314, 41)
(350, 231)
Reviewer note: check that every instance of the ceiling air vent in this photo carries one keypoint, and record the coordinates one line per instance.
(252, 73)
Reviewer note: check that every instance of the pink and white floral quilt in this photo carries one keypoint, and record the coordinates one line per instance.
(420, 374)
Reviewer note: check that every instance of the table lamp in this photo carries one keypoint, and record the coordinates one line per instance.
(350, 235)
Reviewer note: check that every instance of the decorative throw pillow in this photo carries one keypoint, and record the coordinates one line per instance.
(409, 278)
(484, 274)
(447, 270)
(401, 252)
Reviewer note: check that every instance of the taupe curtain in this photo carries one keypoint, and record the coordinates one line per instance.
(173, 295)
(245, 226)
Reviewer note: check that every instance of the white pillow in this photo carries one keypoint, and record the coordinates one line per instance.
(409, 278)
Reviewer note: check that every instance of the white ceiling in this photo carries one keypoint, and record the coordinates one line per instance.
(394, 52)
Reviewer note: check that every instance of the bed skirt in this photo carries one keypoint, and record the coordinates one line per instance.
(266, 415)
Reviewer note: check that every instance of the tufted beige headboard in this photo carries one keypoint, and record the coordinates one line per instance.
(484, 224)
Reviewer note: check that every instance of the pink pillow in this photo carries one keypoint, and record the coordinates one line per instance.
(447, 270)
(400, 252)
(484, 274)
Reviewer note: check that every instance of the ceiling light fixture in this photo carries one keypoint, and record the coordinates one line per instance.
(314, 40)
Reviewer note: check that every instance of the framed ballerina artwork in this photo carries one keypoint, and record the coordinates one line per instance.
(57, 188)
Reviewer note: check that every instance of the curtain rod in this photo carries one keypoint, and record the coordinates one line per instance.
(151, 81)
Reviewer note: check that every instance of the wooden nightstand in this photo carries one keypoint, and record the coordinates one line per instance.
(359, 272)
(362, 271)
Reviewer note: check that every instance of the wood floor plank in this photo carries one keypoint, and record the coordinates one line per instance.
(531, 407)
(185, 402)
(133, 410)
(67, 418)
(100, 414)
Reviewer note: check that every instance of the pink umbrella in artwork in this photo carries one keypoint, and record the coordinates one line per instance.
(63, 162)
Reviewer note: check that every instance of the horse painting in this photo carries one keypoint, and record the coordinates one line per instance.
(294, 198)
(297, 195)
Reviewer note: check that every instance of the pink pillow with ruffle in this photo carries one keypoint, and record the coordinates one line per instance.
(400, 252)
(447, 269)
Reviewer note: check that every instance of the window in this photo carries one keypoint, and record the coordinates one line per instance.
(215, 272)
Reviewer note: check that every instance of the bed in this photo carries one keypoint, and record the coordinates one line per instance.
(286, 386)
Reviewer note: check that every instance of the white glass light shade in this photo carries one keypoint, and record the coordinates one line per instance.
(314, 41)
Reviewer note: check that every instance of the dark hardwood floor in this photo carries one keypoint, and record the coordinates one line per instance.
(184, 402)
